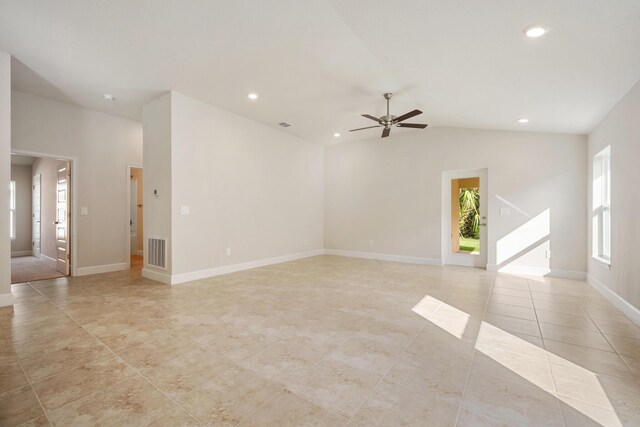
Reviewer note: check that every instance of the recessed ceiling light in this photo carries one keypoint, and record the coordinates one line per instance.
(337, 135)
(253, 96)
(535, 31)
(108, 97)
(523, 120)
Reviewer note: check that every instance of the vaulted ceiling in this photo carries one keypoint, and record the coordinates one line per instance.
(320, 64)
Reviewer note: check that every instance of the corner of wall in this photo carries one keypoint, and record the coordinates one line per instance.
(5, 176)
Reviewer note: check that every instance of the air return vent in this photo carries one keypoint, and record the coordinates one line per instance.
(157, 252)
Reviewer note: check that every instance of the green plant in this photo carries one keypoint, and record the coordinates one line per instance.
(469, 199)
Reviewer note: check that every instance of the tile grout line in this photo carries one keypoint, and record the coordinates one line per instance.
(553, 376)
(546, 354)
(397, 359)
(473, 357)
(236, 364)
(610, 343)
(125, 362)
(30, 383)
(388, 370)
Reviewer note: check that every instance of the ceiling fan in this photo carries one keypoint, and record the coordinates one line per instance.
(388, 121)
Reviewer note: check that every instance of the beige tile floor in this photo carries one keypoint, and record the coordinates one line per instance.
(322, 341)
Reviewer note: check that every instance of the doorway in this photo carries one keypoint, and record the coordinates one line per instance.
(41, 237)
(135, 211)
(465, 217)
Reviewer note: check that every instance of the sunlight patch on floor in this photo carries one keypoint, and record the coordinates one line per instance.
(527, 361)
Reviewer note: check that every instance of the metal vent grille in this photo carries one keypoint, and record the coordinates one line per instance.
(284, 124)
(157, 252)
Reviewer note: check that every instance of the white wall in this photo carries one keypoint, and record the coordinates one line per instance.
(258, 190)
(621, 130)
(157, 176)
(5, 175)
(390, 191)
(21, 174)
(103, 145)
(248, 187)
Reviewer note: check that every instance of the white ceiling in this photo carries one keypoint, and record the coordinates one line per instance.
(20, 160)
(320, 64)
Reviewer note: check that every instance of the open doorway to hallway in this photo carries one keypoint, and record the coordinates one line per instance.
(40, 218)
(136, 223)
(465, 217)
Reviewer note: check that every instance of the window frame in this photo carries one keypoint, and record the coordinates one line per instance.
(601, 220)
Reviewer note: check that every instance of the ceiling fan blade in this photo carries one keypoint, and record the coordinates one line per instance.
(407, 116)
(412, 125)
(369, 116)
(386, 132)
(368, 127)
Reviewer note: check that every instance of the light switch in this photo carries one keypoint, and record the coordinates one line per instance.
(84, 210)
(505, 211)
(184, 210)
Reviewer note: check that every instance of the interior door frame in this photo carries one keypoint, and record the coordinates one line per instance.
(73, 164)
(33, 221)
(128, 207)
(65, 268)
(468, 260)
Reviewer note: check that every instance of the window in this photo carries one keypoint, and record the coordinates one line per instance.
(12, 210)
(601, 221)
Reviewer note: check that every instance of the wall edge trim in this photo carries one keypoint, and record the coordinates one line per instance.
(6, 299)
(99, 269)
(232, 268)
(385, 257)
(623, 305)
(539, 271)
(15, 254)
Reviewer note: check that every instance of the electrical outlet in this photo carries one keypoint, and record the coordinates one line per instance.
(228, 251)
(306, 242)
(370, 242)
(548, 254)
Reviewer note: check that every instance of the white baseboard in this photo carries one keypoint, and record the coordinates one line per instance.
(21, 253)
(50, 261)
(99, 269)
(539, 271)
(226, 269)
(156, 275)
(629, 310)
(6, 299)
(385, 257)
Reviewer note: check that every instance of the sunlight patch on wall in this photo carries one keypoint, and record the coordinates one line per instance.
(524, 238)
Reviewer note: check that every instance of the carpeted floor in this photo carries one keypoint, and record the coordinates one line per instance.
(30, 268)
